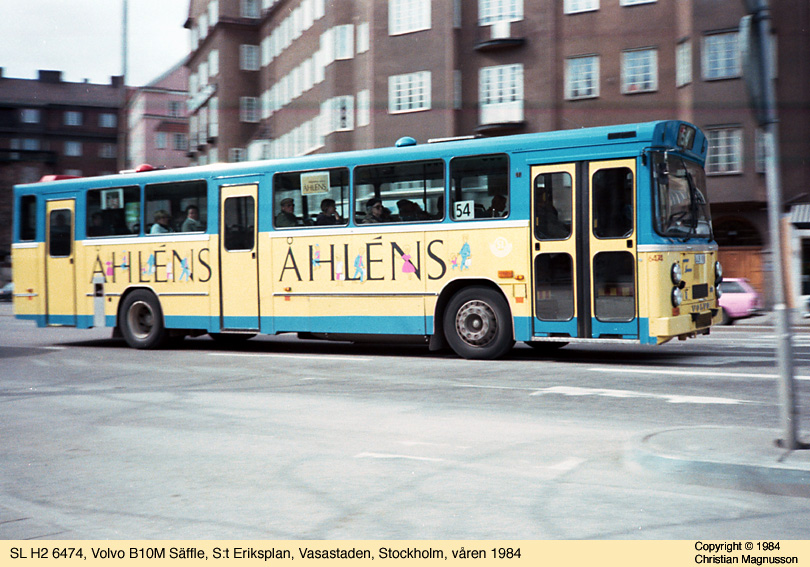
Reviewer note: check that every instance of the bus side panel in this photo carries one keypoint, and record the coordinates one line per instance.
(29, 281)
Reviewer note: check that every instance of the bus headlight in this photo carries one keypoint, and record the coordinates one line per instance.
(718, 273)
(676, 274)
(677, 297)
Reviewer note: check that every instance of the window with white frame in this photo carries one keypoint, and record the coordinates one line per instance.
(161, 141)
(491, 11)
(725, 150)
(213, 63)
(760, 161)
(363, 41)
(578, 6)
(213, 112)
(363, 108)
(582, 77)
(248, 109)
(500, 92)
(250, 9)
(237, 154)
(73, 149)
(175, 109)
(409, 92)
(249, 57)
(30, 144)
(683, 63)
(344, 42)
(721, 56)
(639, 71)
(108, 151)
(180, 142)
(406, 16)
(213, 12)
(73, 118)
(30, 116)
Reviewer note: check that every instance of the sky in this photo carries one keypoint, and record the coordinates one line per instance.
(83, 38)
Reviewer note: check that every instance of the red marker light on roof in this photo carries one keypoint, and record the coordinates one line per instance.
(144, 167)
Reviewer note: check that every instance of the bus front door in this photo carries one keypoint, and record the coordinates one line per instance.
(60, 264)
(584, 250)
(238, 253)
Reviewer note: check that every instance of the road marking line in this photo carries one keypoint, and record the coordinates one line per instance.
(395, 456)
(301, 356)
(693, 372)
(669, 398)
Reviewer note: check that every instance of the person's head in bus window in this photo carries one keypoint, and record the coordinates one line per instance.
(328, 214)
(161, 225)
(286, 217)
(374, 211)
(498, 207)
(192, 222)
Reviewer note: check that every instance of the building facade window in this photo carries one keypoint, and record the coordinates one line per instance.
(161, 141)
(582, 77)
(363, 37)
(500, 91)
(248, 109)
(578, 6)
(491, 11)
(108, 151)
(180, 142)
(108, 120)
(364, 108)
(249, 57)
(73, 149)
(639, 71)
(409, 93)
(175, 109)
(30, 116)
(344, 42)
(725, 151)
(683, 64)
(250, 9)
(73, 118)
(406, 16)
(721, 56)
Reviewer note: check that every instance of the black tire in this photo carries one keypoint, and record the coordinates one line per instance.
(141, 321)
(478, 324)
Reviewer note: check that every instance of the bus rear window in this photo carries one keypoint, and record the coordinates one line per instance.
(480, 187)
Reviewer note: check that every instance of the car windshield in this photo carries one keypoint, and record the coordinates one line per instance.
(681, 206)
(732, 287)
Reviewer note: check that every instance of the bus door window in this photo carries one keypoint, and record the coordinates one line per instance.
(554, 272)
(407, 192)
(238, 218)
(28, 218)
(306, 198)
(614, 270)
(61, 233)
(175, 199)
(113, 211)
(480, 187)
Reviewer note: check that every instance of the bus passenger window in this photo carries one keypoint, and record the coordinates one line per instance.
(28, 217)
(61, 233)
(238, 217)
(552, 206)
(479, 187)
(113, 212)
(399, 192)
(311, 198)
(185, 203)
(613, 203)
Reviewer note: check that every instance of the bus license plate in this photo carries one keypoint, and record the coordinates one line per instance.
(700, 259)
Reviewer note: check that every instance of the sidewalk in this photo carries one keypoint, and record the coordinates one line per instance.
(740, 458)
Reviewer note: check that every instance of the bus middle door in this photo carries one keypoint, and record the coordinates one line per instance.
(238, 254)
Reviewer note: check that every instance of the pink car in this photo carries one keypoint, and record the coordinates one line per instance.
(739, 300)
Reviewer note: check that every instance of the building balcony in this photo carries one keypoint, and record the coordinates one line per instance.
(501, 118)
(500, 35)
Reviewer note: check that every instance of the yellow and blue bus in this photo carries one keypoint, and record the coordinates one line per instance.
(590, 235)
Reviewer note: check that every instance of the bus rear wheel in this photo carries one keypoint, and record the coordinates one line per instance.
(478, 324)
(141, 321)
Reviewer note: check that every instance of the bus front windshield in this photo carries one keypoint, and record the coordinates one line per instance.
(681, 206)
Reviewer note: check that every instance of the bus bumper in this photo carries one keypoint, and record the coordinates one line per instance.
(684, 326)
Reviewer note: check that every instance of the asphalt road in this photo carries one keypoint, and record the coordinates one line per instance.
(287, 439)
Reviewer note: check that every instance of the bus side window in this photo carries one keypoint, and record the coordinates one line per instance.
(307, 198)
(176, 199)
(61, 233)
(399, 192)
(28, 217)
(114, 211)
(479, 187)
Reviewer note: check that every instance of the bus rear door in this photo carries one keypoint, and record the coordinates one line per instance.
(60, 263)
(584, 250)
(239, 273)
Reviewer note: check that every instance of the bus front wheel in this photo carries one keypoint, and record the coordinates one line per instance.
(141, 321)
(478, 324)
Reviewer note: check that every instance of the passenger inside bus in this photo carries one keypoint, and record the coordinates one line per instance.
(374, 211)
(192, 222)
(328, 214)
(498, 207)
(162, 220)
(287, 215)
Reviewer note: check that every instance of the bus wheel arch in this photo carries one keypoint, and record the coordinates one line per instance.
(140, 319)
(474, 318)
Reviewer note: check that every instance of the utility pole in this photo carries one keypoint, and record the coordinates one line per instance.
(758, 62)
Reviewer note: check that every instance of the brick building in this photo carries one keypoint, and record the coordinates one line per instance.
(275, 78)
(50, 126)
